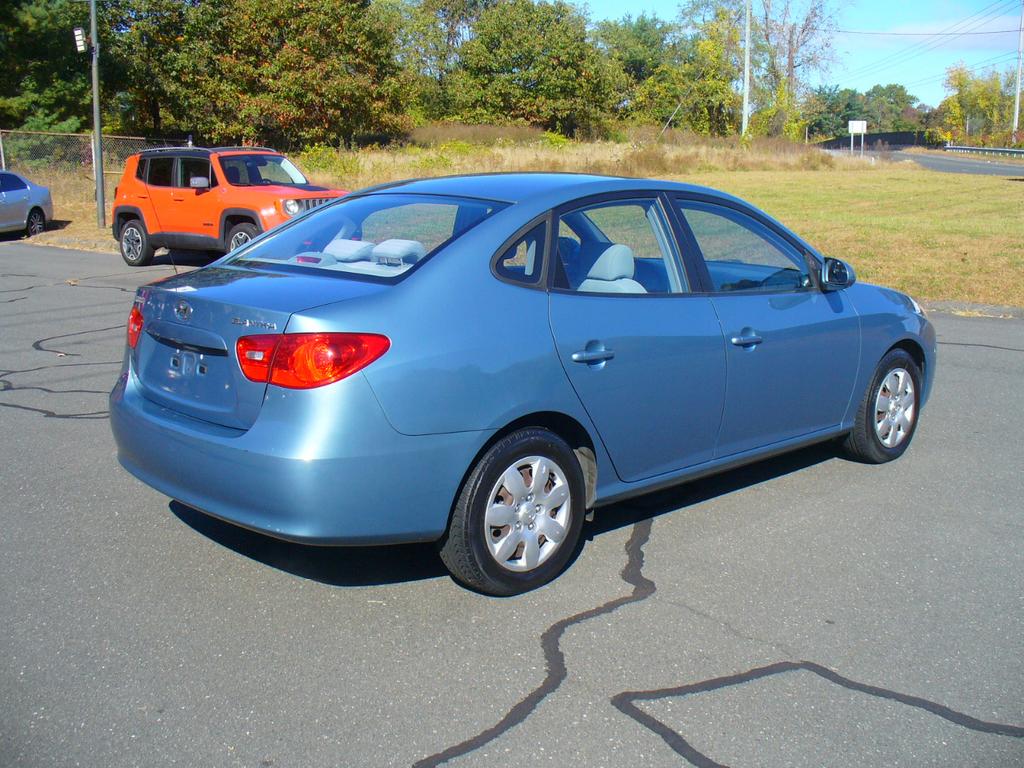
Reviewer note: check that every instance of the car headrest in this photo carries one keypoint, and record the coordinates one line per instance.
(395, 252)
(614, 264)
(349, 250)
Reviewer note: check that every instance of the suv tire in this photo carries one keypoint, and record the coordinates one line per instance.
(135, 246)
(241, 234)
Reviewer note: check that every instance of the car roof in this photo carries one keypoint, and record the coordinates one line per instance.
(520, 187)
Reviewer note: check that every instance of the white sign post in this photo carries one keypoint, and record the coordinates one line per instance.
(861, 127)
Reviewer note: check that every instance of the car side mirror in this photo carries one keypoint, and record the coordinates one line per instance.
(836, 274)
(199, 182)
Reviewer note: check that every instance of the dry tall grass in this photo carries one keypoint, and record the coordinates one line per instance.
(355, 169)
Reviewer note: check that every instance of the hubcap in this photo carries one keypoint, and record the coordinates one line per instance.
(528, 514)
(35, 224)
(895, 408)
(240, 239)
(131, 243)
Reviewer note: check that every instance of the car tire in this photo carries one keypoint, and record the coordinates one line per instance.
(135, 246)
(241, 234)
(888, 412)
(498, 551)
(36, 223)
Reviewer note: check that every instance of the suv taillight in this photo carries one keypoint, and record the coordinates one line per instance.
(307, 360)
(135, 321)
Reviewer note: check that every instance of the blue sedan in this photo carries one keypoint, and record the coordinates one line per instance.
(482, 360)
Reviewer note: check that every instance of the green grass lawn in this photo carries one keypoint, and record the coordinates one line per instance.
(937, 236)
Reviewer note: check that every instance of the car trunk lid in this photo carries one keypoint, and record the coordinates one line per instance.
(185, 358)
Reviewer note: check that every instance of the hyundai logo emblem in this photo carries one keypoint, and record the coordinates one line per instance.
(183, 310)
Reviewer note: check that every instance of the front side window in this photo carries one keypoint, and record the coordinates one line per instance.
(161, 172)
(741, 254)
(376, 236)
(622, 246)
(260, 170)
(194, 166)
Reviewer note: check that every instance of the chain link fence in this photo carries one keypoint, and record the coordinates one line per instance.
(44, 157)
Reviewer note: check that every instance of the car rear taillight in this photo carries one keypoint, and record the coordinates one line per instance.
(307, 360)
(135, 321)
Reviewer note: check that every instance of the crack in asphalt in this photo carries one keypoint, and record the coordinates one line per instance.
(11, 301)
(625, 702)
(53, 415)
(632, 573)
(38, 345)
(984, 346)
(731, 630)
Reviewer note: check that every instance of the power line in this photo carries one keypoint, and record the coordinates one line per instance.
(971, 23)
(992, 63)
(922, 34)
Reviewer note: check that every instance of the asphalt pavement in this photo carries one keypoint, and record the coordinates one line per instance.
(987, 165)
(800, 612)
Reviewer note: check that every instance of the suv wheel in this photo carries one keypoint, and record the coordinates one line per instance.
(241, 234)
(135, 247)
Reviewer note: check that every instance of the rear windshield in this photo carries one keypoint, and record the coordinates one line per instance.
(379, 237)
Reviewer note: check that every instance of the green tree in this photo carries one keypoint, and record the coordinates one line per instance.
(639, 45)
(979, 108)
(532, 63)
(44, 81)
(292, 72)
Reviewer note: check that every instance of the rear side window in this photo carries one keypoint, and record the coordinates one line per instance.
(11, 183)
(379, 237)
(140, 169)
(523, 261)
(161, 172)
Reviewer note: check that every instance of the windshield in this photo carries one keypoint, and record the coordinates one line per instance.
(377, 236)
(256, 170)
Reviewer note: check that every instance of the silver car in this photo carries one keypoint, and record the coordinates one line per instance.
(24, 206)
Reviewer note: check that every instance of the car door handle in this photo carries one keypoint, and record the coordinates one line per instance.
(592, 355)
(142, 197)
(746, 340)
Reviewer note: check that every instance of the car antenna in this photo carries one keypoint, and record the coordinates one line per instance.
(170, 255)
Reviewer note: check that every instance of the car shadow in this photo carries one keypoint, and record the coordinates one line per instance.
(179, 258)
(377, 565)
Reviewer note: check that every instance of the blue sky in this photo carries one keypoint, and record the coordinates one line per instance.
(864, 60)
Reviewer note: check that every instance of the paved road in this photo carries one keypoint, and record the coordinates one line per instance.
(804, 611)
(953, 163)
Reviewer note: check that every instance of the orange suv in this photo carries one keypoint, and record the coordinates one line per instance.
(206, 199)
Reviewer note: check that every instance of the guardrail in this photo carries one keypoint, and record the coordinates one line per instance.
(986, 151)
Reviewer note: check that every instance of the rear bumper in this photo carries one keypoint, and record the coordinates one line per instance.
(317, 467)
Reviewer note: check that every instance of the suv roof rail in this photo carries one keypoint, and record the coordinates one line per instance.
(242, 149)
(205, 149)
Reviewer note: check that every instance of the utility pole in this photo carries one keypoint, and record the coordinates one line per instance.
(746, 72)
(1020, 53)
(97, 136)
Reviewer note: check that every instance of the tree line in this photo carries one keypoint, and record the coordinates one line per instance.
(301, 73)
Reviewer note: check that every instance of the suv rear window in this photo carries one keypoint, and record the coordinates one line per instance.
(379, 237)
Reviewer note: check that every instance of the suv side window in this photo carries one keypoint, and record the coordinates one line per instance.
(140, 169)
(194, 166)
(523, 261)
(740, 253)
(161, 172)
